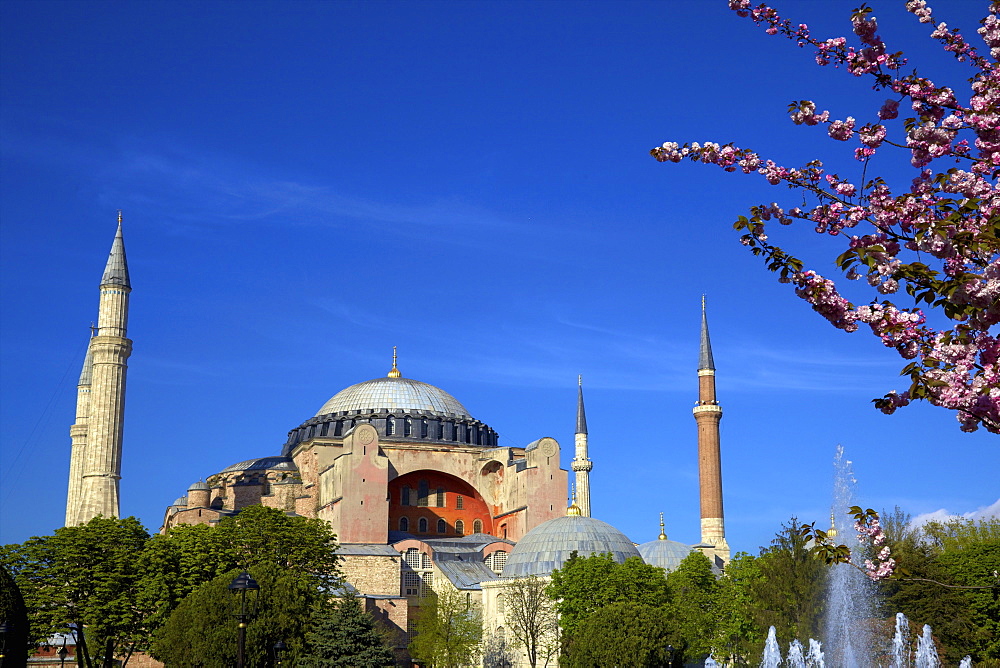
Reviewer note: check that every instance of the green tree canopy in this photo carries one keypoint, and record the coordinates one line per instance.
(448, 630)
(342, 635)
(202, 630)
(187, 556)
(586, 584)
(87, 576)
(694, 618)
(626, 635)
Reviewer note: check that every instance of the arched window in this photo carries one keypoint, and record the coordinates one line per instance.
(390, 426)
(460, 527)
(501, 607)
(477, 526)
(460, 502)
(423, 429)
(439, 501)
(499, 560)
(407, 427)
(404, 524)
(423, 490)
(413, 558)
(404, 496)
(422, 525)
(442, 526)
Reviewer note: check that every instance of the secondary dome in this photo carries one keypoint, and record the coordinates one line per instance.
(394, 394)
(547, 547)
(665, 553)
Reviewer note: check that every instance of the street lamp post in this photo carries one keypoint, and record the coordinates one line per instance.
(279, 648)
(63, 653)
(3, 640)
(240, 586)
(671, 651)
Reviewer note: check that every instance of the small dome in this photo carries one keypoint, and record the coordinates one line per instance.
(394, 393)
(665, 553)
(547, 547)
(201, 485)
(181, 501)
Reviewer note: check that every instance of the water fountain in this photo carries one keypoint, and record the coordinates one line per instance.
(850, 594)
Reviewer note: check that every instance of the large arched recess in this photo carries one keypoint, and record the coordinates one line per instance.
(454, 493)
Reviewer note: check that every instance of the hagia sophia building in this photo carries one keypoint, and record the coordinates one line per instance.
(416, 488)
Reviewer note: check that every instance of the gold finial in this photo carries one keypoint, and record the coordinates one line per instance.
(833, 526)
(394, 372)
(662, 535)
(119, 216)
(573, 510)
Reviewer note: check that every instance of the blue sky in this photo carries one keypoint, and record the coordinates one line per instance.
(305, 185)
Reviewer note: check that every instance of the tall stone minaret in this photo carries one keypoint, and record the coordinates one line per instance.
(109, 351)
(581, 462)
(78, 440)
(708, 414)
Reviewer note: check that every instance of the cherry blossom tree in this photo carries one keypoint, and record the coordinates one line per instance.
(934, 245)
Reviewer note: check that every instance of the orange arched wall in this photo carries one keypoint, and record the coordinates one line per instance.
(473, 507)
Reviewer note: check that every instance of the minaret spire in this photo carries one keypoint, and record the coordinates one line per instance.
(78, 438)
(581, 464)
(708, 414)
(109, 351)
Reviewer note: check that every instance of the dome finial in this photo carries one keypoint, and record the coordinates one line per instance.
(394, 372)
(662, 535)
(573, 510)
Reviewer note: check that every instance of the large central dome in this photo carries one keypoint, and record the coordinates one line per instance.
(394, 394)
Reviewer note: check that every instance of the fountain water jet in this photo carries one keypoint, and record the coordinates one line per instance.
(901, 643)
(850, 594)
(927, 656)
(772, 653)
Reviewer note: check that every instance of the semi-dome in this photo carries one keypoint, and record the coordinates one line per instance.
(547, 547)
(394, 394)
(665, 553)
(262, 464)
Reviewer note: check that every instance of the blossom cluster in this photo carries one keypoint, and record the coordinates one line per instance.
(869, 530)
(949, 215)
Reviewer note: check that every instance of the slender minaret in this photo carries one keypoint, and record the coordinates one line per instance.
(109, 351)
(78, 439)
(708, 414)
(581, 462)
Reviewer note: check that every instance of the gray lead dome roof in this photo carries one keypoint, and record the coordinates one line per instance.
(394, 394)
(667, 554)
(548, 546)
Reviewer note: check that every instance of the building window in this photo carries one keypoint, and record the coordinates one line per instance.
(412, 558)
(477, 526)
(425, 560)
(325, 429)
(404, 496)
(460, 527)
(503, 530)
(423, 429)
(460, 502)
(423, 490)
(442, 526)
(422, 525)
(390, 426)
(427, 584)
(440, 497)
(499, 560)
(404, 524)
(411, 583)
(407, 427)
(501, 605)
(454, 432)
